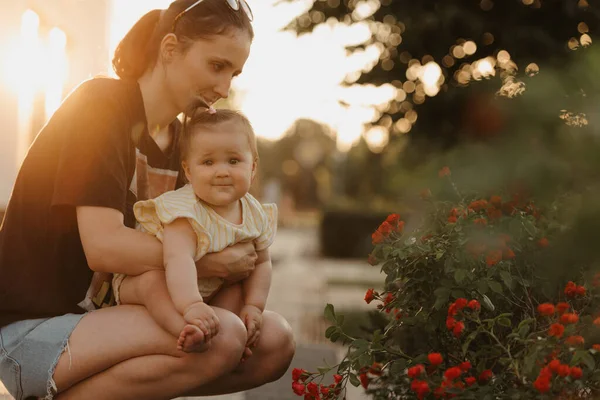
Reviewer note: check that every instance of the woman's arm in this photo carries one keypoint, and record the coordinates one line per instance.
(110, 246)
(256, 287)
(179, 248)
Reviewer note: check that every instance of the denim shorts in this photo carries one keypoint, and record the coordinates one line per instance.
(29, 352)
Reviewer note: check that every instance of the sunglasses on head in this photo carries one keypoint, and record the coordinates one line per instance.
(235, 5)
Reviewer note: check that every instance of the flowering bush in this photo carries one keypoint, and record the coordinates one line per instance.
(470, 311)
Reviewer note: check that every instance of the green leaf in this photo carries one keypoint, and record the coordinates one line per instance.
(442, 295)
(506, 278)
(467, 342)
(529, 227)
(398, 367)
(460, 275)
(330, 331)
(457, 293)
(335, 336)
(487, 303)
(523, 331)
(360, 345)
(495, 286)
(323, 370)
(330, 313)
(354, 380)
(585, 357)
(504, 322)
(482, 286)
(449, 265)
(340, 319)
(365, 360)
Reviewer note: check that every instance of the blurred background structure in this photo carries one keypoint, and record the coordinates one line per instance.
(355, 102)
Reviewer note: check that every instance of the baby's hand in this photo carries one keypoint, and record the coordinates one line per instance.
(252, 318)
(204, 317)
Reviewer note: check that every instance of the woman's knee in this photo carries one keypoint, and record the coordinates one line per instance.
(225, 350)
(277, 343)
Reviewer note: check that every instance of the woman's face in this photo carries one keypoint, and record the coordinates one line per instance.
(206, 69)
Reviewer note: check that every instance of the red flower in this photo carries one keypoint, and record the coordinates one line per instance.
(445, 171)
(453, 309)
(576, 373)
(546, 309)
(474, 305)
(385, 228)
(542, 384)
(556, 330)
(575, 340)
(486, 375)
(297, 374)
(452, 373)
(452, 219)
(546, 371)
(298, 388)
(400, 227)
(580, 291)
(415, 371)
(478, 205)
(508, 254)
(377, 237)
(496, 201)
(458, 329)
(465, 366)
(597, 321)
(494, 213)
(461, 303)
(493, 257)
(337, 379)
(562, 308)
(324, 390)
(425, 194)
(543, 242)
(376, 369)
(370, 296)
(480, 221)
(450, 322)
(372, 260)
(364, 380)
(435, 358)
(388, 299)
(569, 318)
(393, 219)
(470, 381)
(596, 347)
(554, 365)
(564, 370)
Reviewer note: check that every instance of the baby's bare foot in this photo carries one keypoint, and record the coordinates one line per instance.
(191, 340)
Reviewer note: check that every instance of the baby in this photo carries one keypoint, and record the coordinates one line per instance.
(213, 211)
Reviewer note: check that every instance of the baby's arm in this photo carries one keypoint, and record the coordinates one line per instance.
(179, 248)
(256, 290)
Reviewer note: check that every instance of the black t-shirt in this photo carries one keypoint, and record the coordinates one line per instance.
(94, 151)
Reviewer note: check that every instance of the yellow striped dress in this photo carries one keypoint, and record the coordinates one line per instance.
(213, 232)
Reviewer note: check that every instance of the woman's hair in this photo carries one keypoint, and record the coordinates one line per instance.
(139, 49)
(200, 118)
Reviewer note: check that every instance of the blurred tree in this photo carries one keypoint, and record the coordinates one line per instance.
(455, 34)
(468, 40)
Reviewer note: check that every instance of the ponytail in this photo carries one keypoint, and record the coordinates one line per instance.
(135, 52)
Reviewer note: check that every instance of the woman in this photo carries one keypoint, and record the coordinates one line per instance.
(69, 226)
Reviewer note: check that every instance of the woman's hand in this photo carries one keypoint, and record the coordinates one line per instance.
(239, 257)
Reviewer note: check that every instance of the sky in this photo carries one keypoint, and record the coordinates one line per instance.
(289, 77)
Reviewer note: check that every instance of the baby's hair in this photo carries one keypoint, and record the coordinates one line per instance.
(198, 116)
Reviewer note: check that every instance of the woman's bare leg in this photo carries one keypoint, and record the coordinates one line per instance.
(120, 353)
(150, 290)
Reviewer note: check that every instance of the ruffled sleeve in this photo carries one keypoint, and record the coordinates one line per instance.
(269, 227)
(154, 214)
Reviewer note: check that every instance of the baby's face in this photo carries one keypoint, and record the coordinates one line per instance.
(220, 165)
